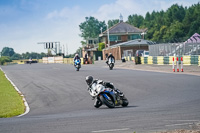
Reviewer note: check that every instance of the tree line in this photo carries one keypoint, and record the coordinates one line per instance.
(176, 24)
(8, 54)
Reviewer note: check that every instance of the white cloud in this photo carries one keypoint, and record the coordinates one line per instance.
(129, 7)
(65, 26)
(58, 25)
(113, 10)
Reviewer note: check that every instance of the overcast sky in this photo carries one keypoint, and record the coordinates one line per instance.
(24, 23)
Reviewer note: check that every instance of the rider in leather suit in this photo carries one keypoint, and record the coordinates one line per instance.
(110, 56)
(76, 57)
(90, 82)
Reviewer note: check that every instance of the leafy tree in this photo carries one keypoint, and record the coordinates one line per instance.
(91, 28)
(70, 56)
(135, 20)
(101, 46)
(16, 56)
(112, 22)
(83, 43)
(6, 51)
(177, 23)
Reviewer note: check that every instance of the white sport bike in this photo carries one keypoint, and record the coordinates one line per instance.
(107, 96)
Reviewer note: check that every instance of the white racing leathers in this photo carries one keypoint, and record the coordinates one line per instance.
(104, 95)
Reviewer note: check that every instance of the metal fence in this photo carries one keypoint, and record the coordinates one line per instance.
(174, 49)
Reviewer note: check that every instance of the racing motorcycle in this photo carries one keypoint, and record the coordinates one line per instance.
(107, 96)
(77, 64)
(111, 63)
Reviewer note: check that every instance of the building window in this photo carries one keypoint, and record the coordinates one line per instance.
(134, 36)
(90, 42)
(114, 38)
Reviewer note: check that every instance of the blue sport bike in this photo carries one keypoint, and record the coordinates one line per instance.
(77, 64)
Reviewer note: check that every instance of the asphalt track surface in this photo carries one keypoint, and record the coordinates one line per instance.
(59, 102)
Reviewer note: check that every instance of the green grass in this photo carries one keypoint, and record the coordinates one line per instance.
(11, 103)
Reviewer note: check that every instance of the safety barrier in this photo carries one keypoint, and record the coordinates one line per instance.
(145, 60)
(187, 60)
(160, 60)
(168, 60)
(199, 61)
(142, 60)
(133, 59)
(150, 60)
(71, 60)
(155, 60)
(194, 59)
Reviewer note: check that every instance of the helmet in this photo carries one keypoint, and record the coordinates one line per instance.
(76, 54)
(89, 79)
(110, 53)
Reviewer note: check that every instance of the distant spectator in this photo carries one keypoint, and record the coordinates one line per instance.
(86, 58)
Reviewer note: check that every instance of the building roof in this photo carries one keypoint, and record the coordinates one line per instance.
(123, 28)
(136, 42)
(194, 39)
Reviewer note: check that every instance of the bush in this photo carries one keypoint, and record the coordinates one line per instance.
(101, 46)
(5, 59)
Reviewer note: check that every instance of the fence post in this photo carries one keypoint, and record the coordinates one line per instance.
(173, 65)
(181, 64)
(177, 65)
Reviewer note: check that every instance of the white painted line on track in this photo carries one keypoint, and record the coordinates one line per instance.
(184, 120)
(181, 124)
(25, 102)
(111, 130)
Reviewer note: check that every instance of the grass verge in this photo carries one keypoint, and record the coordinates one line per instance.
(11, 103)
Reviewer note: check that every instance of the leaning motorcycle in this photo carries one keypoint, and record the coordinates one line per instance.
(77, 64)
(107, 96)
(111, 62)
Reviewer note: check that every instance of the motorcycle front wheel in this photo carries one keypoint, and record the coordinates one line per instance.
(111, 66)
(107, 100)
(124, 102)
